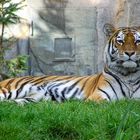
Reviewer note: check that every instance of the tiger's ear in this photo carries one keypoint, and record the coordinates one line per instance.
(108, 29)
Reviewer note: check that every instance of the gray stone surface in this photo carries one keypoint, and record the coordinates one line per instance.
(81, 20)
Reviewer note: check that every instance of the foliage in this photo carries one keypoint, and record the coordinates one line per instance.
(8, 15)
(17, 65)
(73, 120)
(8, 11)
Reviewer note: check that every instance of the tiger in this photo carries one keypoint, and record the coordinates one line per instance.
(119, 79)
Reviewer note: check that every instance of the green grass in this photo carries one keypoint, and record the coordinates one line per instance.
(70, 121)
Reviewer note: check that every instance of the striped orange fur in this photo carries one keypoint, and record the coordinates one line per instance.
(120, 78)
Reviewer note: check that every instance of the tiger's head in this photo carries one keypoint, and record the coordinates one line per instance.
(122, 52)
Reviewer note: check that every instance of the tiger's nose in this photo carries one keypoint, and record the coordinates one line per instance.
(129, 53)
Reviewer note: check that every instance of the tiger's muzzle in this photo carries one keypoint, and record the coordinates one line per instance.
(129, 59)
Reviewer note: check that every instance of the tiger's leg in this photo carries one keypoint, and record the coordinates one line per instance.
(31, 97)
(98, 97)
(28, 99)
(23, 101)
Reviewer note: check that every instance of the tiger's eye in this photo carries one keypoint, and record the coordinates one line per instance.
(120, 42)
(137, 42)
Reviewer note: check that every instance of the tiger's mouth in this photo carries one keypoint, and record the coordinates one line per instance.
(128, 64)
(126, 61)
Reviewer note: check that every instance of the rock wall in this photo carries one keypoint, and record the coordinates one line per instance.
(80, 22)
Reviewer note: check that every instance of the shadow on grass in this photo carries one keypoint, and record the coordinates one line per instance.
(59, 131)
